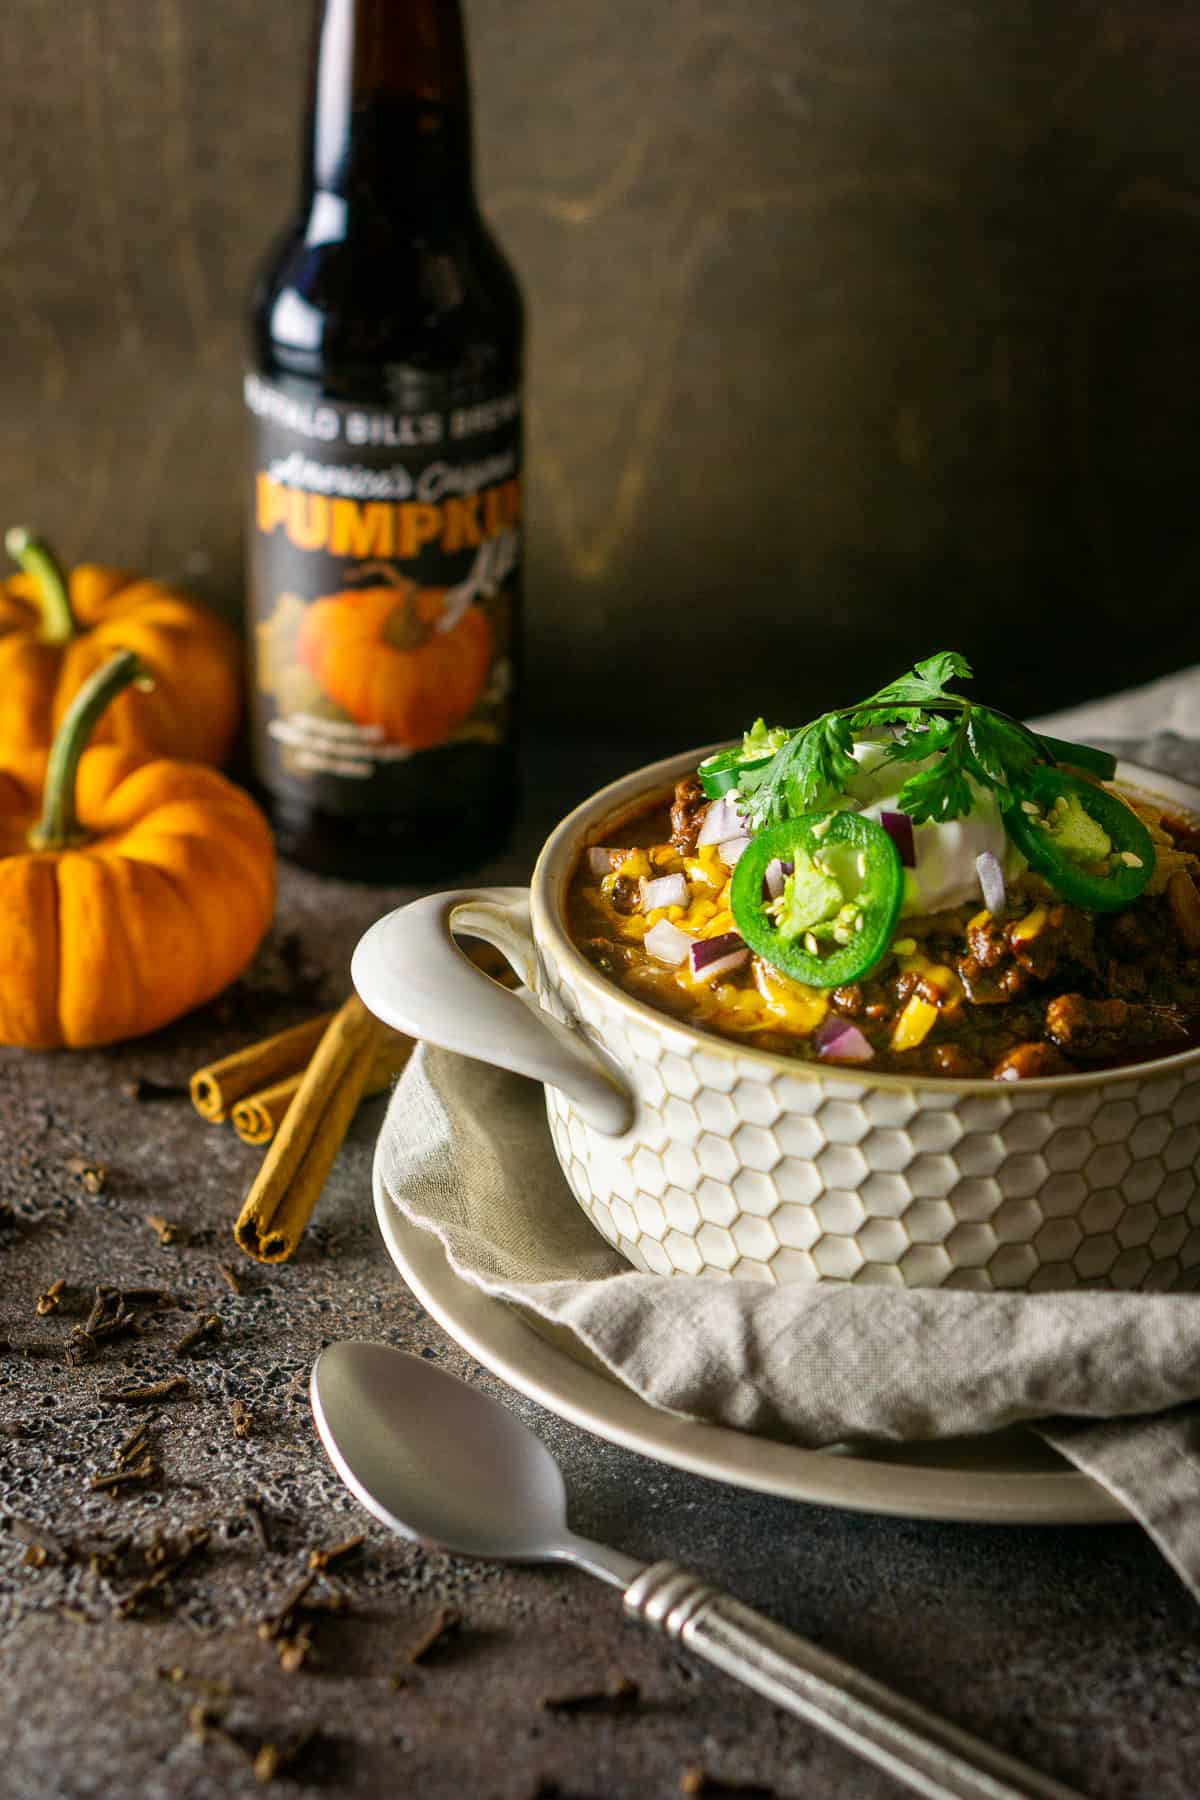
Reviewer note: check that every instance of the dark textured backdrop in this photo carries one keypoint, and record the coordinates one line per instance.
(855, 328)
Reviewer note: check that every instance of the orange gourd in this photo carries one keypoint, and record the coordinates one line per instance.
(381, 653)
(130, 891)
(57, 630)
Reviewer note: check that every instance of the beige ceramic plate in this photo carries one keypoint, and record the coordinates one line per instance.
(1011, 1478)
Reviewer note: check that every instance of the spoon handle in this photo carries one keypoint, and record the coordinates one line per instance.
(928, 1754)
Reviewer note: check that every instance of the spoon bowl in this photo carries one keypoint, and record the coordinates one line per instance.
(436, 1460)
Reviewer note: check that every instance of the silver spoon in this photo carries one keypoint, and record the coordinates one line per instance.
(441, 1462)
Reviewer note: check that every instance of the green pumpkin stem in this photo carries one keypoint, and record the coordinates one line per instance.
(59, 827)
(38, 561)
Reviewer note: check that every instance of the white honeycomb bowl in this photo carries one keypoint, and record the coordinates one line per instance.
(743, 1163)
(698, 1155)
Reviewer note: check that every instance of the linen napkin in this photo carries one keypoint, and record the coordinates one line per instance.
(1111, 1380)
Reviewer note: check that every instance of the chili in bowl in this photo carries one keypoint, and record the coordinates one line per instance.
(909, 995)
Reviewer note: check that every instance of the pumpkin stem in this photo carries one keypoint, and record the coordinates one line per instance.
(38, 561)
(59, 826)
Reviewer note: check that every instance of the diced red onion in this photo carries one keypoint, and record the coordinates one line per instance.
(899, 828)
(600, 861)
(732, 849)
(721, 821)
(664, 890)
(991, 882)
(838, 1040)
(666, 942)
(718, 956)
(774, 875)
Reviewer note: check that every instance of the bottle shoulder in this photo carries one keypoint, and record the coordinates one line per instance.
(438, 294)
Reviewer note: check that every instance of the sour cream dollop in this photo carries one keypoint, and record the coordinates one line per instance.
(945, 874)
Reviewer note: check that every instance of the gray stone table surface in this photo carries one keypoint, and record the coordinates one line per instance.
(1075, 1648)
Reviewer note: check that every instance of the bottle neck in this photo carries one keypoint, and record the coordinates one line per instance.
(389, 125)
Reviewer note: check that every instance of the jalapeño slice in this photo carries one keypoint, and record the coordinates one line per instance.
(723, 771)
(1086, 842)
(835, 917)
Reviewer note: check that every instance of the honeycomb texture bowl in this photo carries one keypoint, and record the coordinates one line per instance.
(725, 1160)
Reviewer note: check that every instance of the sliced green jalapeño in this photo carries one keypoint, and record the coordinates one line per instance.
(834, 917)
(1089, 846)
(723, 771)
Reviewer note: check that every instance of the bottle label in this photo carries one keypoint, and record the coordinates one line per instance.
(384, 561)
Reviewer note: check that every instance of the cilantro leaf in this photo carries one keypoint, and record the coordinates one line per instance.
(939, 794)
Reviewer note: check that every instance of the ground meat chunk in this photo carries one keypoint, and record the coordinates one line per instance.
(687, 812)
(626, 894)
(992, 986)
(849, 1000)
(1101, 1028)
(986, 942)
(1064, 935)
(1027, 1060)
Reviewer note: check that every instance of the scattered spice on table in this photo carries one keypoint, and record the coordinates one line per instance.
(172, 1387)
(322, 1559)
(619, 1694)
(138, 1474)
(168, 1565)
(445, 1624)
(205, 1331)
(168, 1231)
(230, 1277)
(256, 1512)
(91, 1175)
(49, 1301)
(698, 1781)
(144, 1091)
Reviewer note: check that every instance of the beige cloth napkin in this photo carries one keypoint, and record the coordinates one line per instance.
(1110, 1380)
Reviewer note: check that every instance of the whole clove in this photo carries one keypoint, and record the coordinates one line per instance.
(619, 1694)
(204, 1332)
(230, 1277)
(144, 1091)
(178, 1676)
(134, 1444)
(445, 1623)
(256, 1512)
(174, 1387)
(698, 1781)
(280, 1623)
(295, 1651)
(168, 1231)
(168, 1564)
(92, 1176)
(243, 1419)
(49, 1301)
(324, 1559)
(41, 1546)
(135, 1475)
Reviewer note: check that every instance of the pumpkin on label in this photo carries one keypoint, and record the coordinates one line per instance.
(392, 656)
(130, 890)
(56, 630)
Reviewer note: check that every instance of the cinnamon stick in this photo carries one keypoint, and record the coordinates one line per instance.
(300, 1156)
(216, 1087)
(257, 1117)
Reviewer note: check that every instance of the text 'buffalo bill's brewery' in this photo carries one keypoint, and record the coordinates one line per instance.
(385, 510)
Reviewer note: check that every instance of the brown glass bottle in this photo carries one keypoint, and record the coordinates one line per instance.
(384, 512)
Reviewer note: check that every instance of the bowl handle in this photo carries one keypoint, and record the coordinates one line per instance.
(411, 974)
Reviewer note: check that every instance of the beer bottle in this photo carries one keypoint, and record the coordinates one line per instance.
(385, 497)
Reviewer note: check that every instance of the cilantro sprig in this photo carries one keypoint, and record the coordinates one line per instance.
(970, 744)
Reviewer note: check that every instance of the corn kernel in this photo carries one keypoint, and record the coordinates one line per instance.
(914, 1024)
(1029, 926)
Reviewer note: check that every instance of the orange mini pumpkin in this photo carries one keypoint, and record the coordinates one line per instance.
(130, 891)
(382, 655)
(57, 630)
